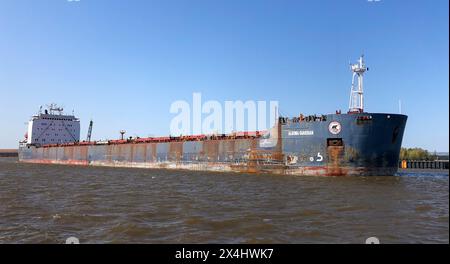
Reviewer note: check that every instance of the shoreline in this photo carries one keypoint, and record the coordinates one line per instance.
(9, 153)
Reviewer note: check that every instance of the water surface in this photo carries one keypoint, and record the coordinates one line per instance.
(49, 203)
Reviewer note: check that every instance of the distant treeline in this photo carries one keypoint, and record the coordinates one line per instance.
(416, 154)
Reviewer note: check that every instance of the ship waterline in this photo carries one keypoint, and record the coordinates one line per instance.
(224, 167)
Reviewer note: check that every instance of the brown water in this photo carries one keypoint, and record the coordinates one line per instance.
(49, 203)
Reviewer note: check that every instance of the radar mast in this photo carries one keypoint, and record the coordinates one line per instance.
(356, 104)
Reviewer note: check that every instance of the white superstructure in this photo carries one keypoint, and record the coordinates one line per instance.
(53, 127)
(357, 92)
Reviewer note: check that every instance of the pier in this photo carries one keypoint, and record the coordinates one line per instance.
(424, 164)
(8, 153)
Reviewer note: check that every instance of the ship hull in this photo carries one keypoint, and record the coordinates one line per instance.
(335, 145)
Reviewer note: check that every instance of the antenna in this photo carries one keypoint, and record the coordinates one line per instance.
(356, 104)
(54, 107)
(400, 106)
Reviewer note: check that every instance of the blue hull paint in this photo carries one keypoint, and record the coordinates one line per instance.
(367, 143)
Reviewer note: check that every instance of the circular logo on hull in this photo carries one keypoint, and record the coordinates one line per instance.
(334, 127)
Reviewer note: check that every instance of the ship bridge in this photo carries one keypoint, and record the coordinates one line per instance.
(52, 126)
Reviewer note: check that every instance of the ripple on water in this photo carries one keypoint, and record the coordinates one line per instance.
(47, 204)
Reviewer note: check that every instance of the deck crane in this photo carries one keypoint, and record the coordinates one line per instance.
(88, 139)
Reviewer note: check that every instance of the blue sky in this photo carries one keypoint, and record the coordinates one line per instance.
(123, 63)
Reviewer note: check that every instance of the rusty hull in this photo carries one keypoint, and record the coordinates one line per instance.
(368, 147)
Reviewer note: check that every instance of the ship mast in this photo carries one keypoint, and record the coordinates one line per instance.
(356, 104)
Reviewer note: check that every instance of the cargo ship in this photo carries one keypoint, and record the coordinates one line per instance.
(337, 144)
